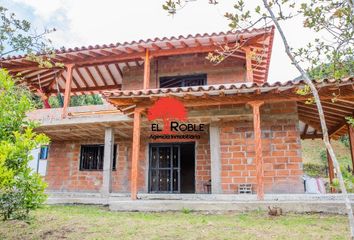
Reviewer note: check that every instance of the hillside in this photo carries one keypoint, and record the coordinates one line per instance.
(314, 153)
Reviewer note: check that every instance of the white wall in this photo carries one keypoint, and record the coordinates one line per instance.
(37, 165)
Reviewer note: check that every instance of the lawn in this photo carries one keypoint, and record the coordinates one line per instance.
(92, 222)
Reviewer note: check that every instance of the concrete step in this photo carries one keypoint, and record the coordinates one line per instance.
(333, 206)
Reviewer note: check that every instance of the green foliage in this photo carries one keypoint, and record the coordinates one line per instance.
(325, 70)
(323, 155)
(17, 35)
(315, 170)
(81, 100)
(21, 190)
(348, 181)
(330, 56)
(350, 120)
(345, 140)
(186, 210)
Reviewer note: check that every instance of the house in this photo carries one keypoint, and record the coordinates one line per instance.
(174, 122)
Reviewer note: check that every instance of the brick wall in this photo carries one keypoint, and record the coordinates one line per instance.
(230, 70)
(281, 155)
(63, 172)
(281, 151)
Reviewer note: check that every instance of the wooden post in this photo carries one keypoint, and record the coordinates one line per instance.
(249, 68)
(351, 143)
(68, 81)
(135, 153)
(258, 148)
(330, 171)
(147, 70)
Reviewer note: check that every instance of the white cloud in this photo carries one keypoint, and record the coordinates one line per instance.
(84, 22)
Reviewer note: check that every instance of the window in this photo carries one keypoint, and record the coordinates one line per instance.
(43, 153)
(91, 157)
(183, 81)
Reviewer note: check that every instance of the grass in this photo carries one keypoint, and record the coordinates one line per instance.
(92, 222)
(311, 152)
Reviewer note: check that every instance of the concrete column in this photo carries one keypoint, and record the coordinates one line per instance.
(108, 161)
(215, 159)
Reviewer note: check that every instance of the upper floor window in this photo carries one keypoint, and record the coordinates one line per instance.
(183, 81)
(91, 157)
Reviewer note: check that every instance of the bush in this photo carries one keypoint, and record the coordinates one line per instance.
(21, 190)
(315, 170)
(348, 181)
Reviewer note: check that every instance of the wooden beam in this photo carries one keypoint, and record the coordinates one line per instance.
(92, 89)
(81, 77)
(311, 136)
(135, 153)
(110, 74)
(68, 82)
(100, 75)
(305, 129)
(92, 78)
(351, 143)
(258, 148)
(249, 68)
(147, 70)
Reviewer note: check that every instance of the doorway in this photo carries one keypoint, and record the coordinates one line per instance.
(172, 168)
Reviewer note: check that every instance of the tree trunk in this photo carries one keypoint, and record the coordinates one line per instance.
(322, 119)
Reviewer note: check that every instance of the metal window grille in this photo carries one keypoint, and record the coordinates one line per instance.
(91, 157)
(183, 81)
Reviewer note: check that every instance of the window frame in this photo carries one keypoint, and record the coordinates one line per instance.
(40, 152)
(114, 167)
(185, 78)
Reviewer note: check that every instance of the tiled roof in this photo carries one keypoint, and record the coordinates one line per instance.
(100, 68)
(148, 42)
(244, 87)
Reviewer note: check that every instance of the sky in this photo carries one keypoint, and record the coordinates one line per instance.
(90, 22)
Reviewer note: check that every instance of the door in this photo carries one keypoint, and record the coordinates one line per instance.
(164, 168)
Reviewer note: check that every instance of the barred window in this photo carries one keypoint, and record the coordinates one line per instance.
(91, 157)
(183, 81)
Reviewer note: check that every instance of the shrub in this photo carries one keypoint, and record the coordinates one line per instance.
(315, 170)
(21, 190)
(348, 181)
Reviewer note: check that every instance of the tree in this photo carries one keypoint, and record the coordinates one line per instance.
(81, 100)
(334, 19)
(20, 189)
(16, 35)
(167, 109)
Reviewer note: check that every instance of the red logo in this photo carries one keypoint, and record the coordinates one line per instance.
(167, 109)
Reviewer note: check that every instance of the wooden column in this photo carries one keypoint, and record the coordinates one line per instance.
(147, 70)
(68, 83)
(215, 158)
(249, 68)
(330, 170)
(135, 153)
(351, 143)
(258, 148)
(108, 161)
